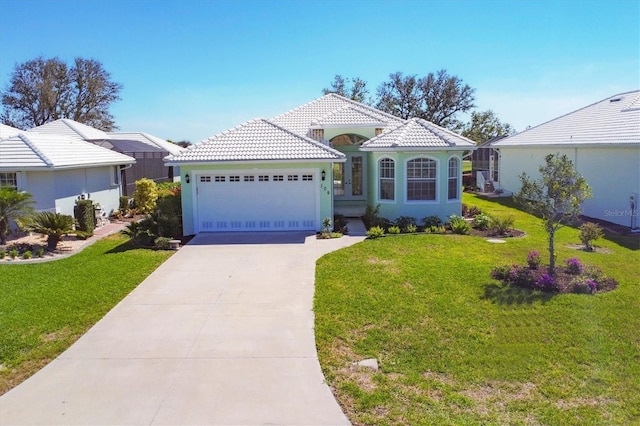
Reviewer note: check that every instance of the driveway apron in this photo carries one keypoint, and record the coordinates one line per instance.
(220, 334)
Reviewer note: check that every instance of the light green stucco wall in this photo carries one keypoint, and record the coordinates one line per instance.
(441, 207)
(188, 189)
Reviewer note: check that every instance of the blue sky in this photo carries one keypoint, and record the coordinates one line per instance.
(194, 68)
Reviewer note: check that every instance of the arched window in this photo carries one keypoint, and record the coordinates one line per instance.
(348, 139)
(387, 177)
(421, 179)
(454, 182)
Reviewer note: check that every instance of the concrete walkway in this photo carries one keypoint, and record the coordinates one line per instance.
(220, 334)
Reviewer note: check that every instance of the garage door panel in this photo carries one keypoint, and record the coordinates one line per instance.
(268, 201)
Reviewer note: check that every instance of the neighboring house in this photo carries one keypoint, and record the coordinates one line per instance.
(58, 170)
(331, 155)
(6, 131)
(148, 150)
(602, 140)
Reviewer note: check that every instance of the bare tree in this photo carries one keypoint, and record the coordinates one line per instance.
(43, 90)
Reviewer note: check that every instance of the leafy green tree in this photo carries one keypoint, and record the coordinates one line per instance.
(352, 88)
(14, 206)
(437, 97)
(485, 125)
(557, 197)
(53, 225)
(145, 195)
(46, 89)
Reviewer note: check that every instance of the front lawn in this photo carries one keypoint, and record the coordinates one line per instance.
(45, 307)
(457, 347)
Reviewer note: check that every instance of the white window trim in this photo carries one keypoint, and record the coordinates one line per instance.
(436, 200)
(395, 180)
(455, 200)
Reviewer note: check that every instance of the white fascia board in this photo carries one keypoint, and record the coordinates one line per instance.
(569, 145)
(200, 163)
(419, 149)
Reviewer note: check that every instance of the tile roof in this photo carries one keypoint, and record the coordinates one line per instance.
(614, 120)
(256, 140)
(148, 139)
(331, 107)
(6, 131)
(29, 151)
(420, 134)
(65, 126)
(348, 116)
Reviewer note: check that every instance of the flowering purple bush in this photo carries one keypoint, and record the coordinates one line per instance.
(584, 285)
(533, 259)
(546, 282)
(574, 267)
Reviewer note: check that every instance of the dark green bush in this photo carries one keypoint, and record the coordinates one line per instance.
(432, 221)
(340, 223)
(84, 213)
(162, 243)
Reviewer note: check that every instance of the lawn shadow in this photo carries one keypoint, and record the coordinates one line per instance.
(511, 295)
(126, 246)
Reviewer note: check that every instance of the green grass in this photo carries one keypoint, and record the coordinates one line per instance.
(456, 347)
(45, 307)
(467, 165)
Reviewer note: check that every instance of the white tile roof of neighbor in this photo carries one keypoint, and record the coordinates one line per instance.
(256, 140)
(6, 131)
(332, 109)
(34, 151)
(65, 126)
(612, 121)
(418, 134)
(148, 139)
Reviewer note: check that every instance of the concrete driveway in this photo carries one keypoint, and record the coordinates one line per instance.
(221, 333)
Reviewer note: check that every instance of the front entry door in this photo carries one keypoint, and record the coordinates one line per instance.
(349, 180)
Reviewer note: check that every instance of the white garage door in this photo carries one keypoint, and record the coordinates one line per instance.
(266, 200)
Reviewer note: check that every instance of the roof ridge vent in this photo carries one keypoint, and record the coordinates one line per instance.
(616, 99)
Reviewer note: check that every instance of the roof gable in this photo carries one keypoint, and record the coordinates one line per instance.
(331, 107)
(71, 128)
(418, 134)
(38, 151)
(615, 120)
(256, 140)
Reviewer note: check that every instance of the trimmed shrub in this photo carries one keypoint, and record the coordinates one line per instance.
(40, 252)
(13, 253)
(84, 213)
(145, 195)
(2, 254)
(410, 229)
(162, 243)
(27, 255)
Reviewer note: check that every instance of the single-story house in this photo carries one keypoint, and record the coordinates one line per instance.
(602, 140)
(57, 170)
(331, 155)
(149, 151)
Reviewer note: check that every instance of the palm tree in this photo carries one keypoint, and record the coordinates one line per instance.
(54, 225)
(14, 206)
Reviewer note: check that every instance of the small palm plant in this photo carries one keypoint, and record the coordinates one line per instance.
(53, 225)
